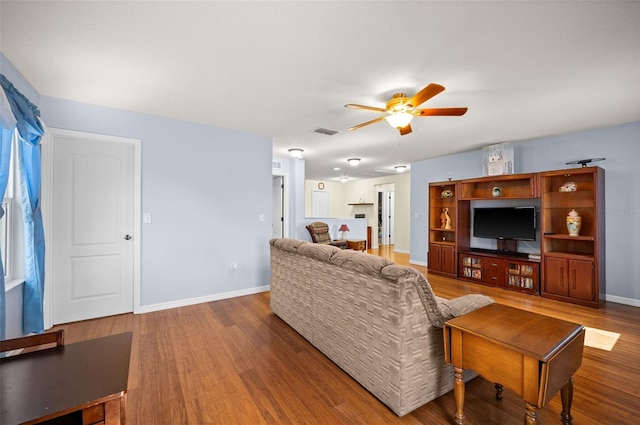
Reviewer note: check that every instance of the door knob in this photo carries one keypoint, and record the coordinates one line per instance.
(127, 237)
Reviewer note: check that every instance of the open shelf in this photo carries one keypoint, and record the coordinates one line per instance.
(569, 238)
(512, 186)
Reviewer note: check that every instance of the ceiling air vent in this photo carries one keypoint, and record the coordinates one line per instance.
(325, 131)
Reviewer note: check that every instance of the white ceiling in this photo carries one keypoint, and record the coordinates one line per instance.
(525, 69)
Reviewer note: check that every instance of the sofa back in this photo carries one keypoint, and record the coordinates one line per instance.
(356, 263)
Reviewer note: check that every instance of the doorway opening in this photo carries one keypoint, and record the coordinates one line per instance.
(386, 214)
(280, 203)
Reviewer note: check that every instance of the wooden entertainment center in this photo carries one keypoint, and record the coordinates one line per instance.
(571, 268)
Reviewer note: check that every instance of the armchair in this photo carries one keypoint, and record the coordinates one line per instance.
(319, 232)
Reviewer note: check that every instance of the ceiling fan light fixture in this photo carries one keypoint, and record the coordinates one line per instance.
(400, 168)
(296, 152)
(353, 161)
(399, 119)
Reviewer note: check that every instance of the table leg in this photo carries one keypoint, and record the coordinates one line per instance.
(499, 390)
(531, 415)
(566, 394)
(458, 392)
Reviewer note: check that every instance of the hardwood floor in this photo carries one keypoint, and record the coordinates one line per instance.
(234, 362)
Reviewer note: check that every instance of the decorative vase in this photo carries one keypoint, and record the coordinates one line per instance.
(496, 192)
(574, 221)
(447, 193)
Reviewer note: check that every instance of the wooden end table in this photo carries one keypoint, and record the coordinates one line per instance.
(89, 376)
(357, 244)
(533, 355)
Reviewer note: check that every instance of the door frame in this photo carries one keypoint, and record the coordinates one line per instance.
(285, 208)
(47, 149)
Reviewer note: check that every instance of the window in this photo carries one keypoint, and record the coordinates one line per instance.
(11, 232)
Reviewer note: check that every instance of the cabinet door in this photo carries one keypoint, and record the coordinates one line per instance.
(435, 257)
(581, 279)
(556, 276)
(448, 259)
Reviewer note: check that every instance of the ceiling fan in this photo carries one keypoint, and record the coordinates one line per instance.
(401, 109)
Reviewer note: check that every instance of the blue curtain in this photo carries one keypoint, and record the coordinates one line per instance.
(30, 131)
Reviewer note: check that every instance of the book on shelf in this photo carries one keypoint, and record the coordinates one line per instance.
(534, 257)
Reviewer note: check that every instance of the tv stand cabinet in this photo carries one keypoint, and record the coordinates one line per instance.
(572, 268)
(503, 270)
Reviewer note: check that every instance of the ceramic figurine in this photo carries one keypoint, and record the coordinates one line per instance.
(496, 192)
(569, 187)
(445, 220)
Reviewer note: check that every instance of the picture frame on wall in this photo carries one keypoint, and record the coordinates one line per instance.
(498, 159)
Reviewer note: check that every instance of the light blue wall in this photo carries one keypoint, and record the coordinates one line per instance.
(620, 145)
(205, 194)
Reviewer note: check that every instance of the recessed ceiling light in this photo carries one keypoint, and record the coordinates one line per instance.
(400, 168)
(353, 161)
(336, 169)
(296, 152)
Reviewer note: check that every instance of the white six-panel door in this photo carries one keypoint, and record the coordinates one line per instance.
(93, 225)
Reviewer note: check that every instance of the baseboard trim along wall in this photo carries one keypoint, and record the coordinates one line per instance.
(199, 300)
(622, 300)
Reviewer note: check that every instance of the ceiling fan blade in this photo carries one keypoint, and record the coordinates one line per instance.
(426, 94)
(405, 130)
(441, 112)
(364, 124)
(368, 108)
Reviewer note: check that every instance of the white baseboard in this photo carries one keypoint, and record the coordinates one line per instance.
(199, 300)
(622, 300)
(418, 263)
(402, 251)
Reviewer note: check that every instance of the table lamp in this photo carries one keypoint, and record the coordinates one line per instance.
(343, 228)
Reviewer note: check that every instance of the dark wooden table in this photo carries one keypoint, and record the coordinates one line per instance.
(88, 377)
(533, 355)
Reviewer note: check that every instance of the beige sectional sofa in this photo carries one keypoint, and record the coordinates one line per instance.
(379, 322)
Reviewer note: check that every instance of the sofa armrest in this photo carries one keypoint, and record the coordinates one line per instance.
(462, 305)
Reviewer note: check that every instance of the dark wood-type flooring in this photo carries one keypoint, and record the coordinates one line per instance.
(234, 362)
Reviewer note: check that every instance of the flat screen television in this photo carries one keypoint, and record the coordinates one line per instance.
(517, 223)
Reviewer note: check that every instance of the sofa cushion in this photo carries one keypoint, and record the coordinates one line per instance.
(462, 305)
(318, 251)
(360, 262)
(290, 245)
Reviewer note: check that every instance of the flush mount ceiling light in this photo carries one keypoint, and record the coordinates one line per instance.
(400, 168)
(344, 179)
(336, 169)
(296, 152)
(353, 161)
